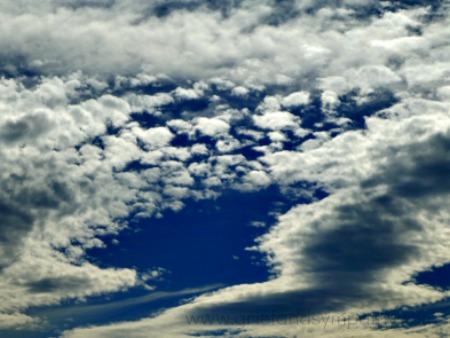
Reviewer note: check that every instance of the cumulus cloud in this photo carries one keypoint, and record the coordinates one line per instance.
(276, 120)
(353, 252)
(296, 99)
(97, 39)
(211, 127)
(349, 247)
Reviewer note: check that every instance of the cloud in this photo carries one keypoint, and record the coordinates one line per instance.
(117, 108)
(352, 252)
(154, 138)
(90, 311)
(296, 99)
(255, 42)
(355, 250)
(276, 121)
(25, 129)
(211, 127)
(14, 226)
(348, 246)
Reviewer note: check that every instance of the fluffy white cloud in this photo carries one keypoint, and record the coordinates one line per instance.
(369, 237)
(276, 121)
(254, 180)
(296, 99)
(211, 126)
(187, 94)
(154, 138)
(98, 39)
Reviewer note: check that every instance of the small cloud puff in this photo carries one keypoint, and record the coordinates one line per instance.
(295, 99)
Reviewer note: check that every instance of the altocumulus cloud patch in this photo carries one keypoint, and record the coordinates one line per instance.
(295, 151)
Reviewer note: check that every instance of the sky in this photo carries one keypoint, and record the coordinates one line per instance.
(234, 168)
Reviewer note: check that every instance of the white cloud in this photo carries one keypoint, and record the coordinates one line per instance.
(180, 125)
(187, 94)
(277, 121)
(330, 100)
(17, 321)
(199, 149)
(228, 145)
(296, 99)
(240, 91)
(211, 126)
(149, 103)
(254, 180)
(202, 44)
(154, 138)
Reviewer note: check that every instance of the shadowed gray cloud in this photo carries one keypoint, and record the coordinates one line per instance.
(23, 205)
(163, 9)
(14, 224)
(25, 129)
(369, 236)
(68, 284)
(75, 4)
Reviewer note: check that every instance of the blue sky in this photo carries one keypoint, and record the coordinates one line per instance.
(239, 168)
